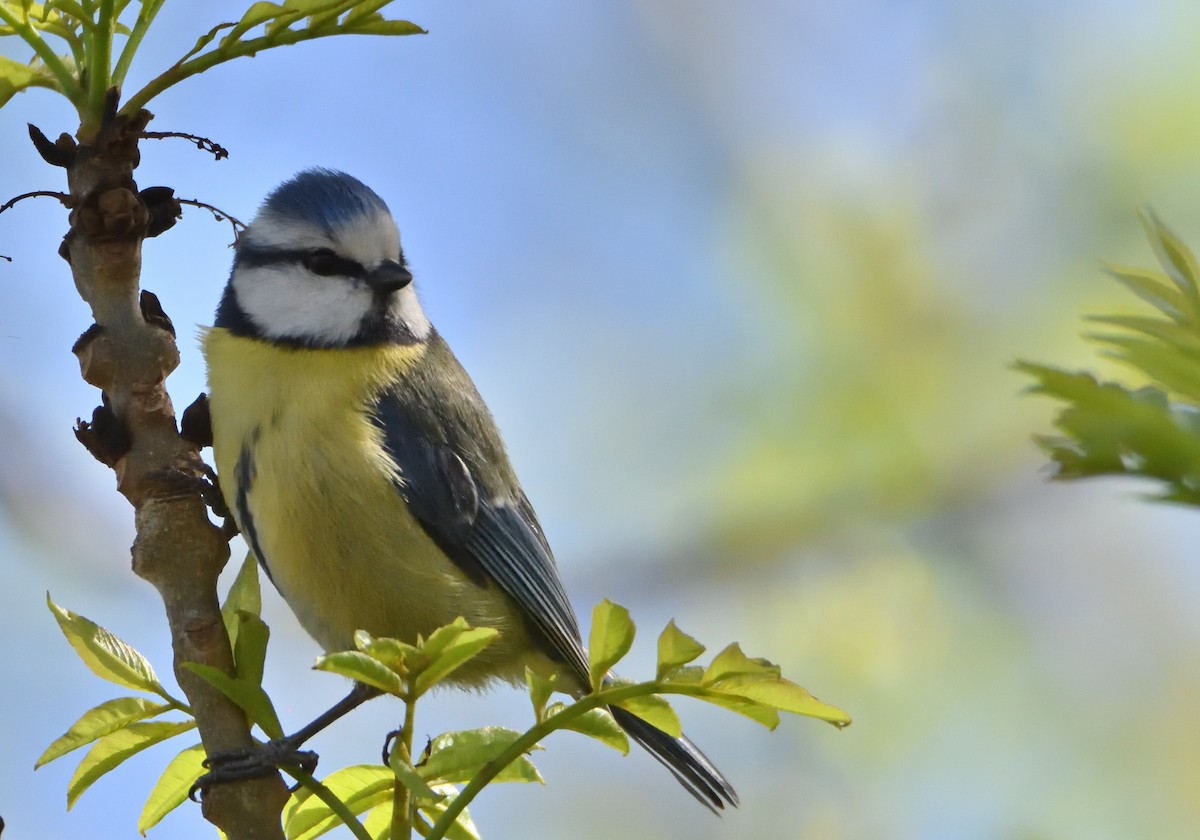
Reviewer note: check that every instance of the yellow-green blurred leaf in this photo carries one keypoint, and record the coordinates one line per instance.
(448, 648)
(108, 752)
(249, 696)
(732, 661)
(463, 827)
(611, 638)
(458, 756)
(540, 689)
(656, 711)
(359, 666)
(108, 656)
(675, 649)
(595, 723)
(97, 722)
(245, 594)
(172, 788)
(780, 694)
(360, 787)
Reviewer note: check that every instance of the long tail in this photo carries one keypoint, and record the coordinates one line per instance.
(687, 764)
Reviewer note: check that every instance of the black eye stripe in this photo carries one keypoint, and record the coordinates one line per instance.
(331, 263)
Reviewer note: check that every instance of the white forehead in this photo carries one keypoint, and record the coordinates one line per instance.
(368, 238)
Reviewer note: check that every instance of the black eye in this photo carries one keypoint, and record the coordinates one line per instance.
(322, 261)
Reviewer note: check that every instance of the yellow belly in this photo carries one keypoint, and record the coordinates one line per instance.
(337, 538)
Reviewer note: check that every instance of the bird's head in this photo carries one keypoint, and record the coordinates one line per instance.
(321, 266)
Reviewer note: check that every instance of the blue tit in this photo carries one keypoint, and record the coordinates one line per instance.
(364, 469)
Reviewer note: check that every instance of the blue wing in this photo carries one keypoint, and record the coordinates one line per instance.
(457, 481)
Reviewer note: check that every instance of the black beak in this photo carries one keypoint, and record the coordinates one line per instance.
(389, 276)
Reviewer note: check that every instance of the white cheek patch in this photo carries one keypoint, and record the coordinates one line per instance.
(407, 310)
(285, 301)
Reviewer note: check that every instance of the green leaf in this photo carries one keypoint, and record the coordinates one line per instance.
(675, 649)
(540, 689)
(107, 656)
(250, 649)
(458, 756)
(365, 9)
(249, 696)
(1152, 287)
(595, 723)
(97, 722)
(379, 822)
(463, 828)
(360, 787)
(108, 752)
(245, 595)
(393, 654)
(359, 666)
(611, 638)
(732, 661)
(757, 712)
(172, 788)
(384, 27)
(450, 647)
(780, 694)
(656, 711)
(1175, 257)
(16, 77)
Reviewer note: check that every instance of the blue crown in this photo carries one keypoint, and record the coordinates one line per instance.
(324, 197)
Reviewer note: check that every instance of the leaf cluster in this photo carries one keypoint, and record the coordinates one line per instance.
(1153, 430)
(435, 786)
(88, 31)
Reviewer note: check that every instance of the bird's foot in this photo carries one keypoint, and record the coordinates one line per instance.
(251, 763)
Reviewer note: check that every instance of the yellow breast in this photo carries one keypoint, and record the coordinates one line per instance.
(293, 435)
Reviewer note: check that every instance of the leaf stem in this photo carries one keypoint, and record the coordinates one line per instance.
(145, 17)
(402, 797)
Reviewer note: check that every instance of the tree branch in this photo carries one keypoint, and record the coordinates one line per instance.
(128, 354)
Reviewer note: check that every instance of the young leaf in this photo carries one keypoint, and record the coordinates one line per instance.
(249, 696)
(757, 712)
(107, 656)
(457, 756)
(540, 689)
(1152, 287)
(16, 77)
(656, 711)
(675, 649)
(379, 822)
(732, 661)
(464, 645)
(172, 788)
(780, 694)
(393, 654)
(359, 666)
(595, 723)
(97, 722)
(610, 639)
(360, 787)
(245, 595)
(250, 649)
(114, 748)
(1175, 257)
(463, 828)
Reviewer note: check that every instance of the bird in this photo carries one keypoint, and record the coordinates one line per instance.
(365, 471)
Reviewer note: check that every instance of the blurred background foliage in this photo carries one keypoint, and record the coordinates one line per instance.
(743, 286)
